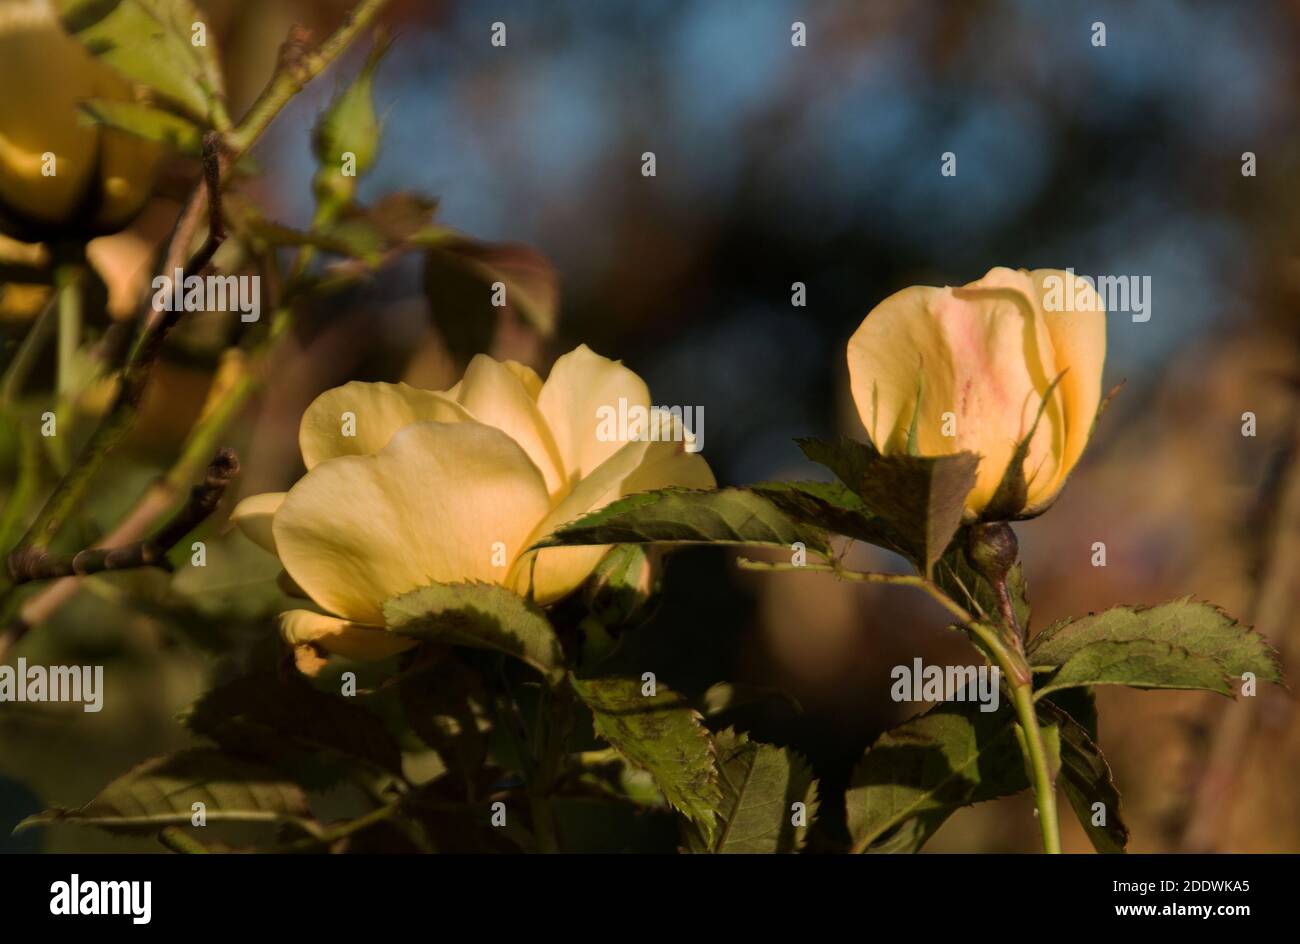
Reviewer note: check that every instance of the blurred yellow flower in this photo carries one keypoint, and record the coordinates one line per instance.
(20, 301)
(407, 487)
(60, 176)
(967, 368)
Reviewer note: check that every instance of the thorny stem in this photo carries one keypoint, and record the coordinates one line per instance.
(993, 550)
(297, 68)
(117, 553)
(36, 564)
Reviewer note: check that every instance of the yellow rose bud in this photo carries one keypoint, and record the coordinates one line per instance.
(406, 487)
(967, 369)
(59, 176)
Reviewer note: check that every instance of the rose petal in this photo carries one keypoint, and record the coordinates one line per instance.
(341, 637)
(527, 376)
(636, 467)
(430, 507)
(497, 394)
(378, 411)
(987, 358)
(580, 385)
(254, 515)
(1079, 337)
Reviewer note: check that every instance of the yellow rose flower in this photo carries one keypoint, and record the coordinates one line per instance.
(102, 177)
(973, 364)
(406, 487)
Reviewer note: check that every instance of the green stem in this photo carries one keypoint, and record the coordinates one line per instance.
(1036, 755)
(25, 487)
(993, 550)
(544, 830)
(554, 719)
(16, 373)
(68, 278)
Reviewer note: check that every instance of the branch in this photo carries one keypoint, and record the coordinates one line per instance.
(28, 564)
(222, 406)
(135, 378)
(296, 68)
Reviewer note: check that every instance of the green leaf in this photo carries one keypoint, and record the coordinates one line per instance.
(687, 516)
(760, 785)
(355, 242)
(919, 499)
(831, 506)
(1080, 704)
(152, 124)
(724, 697)
(403, 218)
(1180, 644)
(367, 234)
(1086, 779)
(150, 42)
(481, 616)
(917, 774)
(459, 278)
(287, 722)
(623, 591)
(663, 734)
(161, 792)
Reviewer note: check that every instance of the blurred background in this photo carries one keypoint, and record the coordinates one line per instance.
(777, 164)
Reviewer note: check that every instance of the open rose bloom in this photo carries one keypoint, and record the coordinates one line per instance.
(407, 487)
(972, 365)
